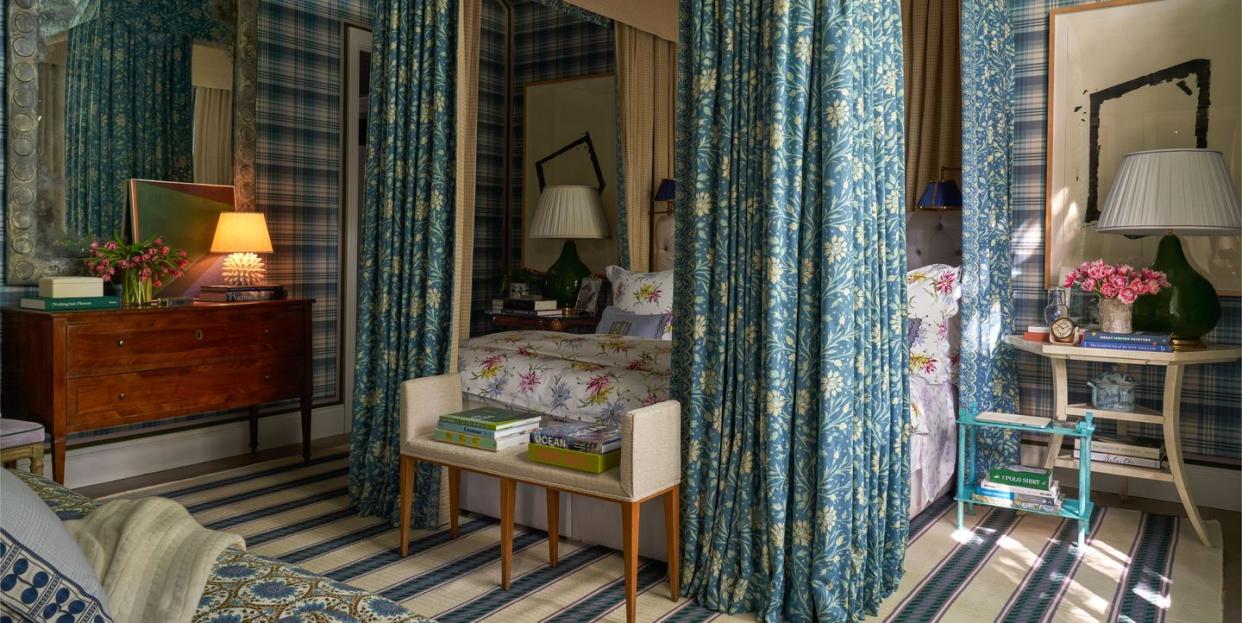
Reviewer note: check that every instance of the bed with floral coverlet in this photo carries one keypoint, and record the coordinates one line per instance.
(933, 292)
(581, 377)
(254, 589)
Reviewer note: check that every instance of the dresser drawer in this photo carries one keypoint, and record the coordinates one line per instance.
(137, 396)
(181, 339)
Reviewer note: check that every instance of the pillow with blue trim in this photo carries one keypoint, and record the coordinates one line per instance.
(617, 322)
(43, 574)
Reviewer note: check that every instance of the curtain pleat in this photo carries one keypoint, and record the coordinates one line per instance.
(789, 353)
(934, 89)
(406, 244)
(646, 90)
(987, 371)
(213, 135)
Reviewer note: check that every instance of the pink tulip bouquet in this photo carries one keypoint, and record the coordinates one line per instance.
(142, 265)
(1116, 281)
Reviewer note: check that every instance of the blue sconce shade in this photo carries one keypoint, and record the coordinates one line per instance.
(941, 194)
(668, 191)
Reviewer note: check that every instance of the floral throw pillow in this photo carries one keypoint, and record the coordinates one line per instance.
(641, 293)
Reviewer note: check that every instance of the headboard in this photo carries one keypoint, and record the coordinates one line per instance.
(662, 238)
(933, 237)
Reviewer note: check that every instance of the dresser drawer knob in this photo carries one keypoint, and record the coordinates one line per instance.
(120, 396)
(198, 335)
(267, 331)
(267, 377)
(120, 343)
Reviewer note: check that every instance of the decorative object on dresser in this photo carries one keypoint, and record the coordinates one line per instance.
(1168, 192)
(1168, 417)
(588, 296)
(87, 370)
(143, 266)
(568, 212)
(556, 320)
(20, 439)
(242, 235)
(1117, 287)
(184, 216)
(70, 287)
(235, 294)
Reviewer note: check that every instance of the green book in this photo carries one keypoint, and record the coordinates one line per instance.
(1022, 476)
(491, 418)
(573, 459)
(67, 304)
(479, 441)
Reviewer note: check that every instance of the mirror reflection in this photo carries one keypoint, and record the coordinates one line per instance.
(127, 89)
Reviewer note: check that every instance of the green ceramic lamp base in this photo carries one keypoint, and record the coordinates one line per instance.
(565, 276)
(1188, 309)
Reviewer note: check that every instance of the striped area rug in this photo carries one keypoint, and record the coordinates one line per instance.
(1009, 568)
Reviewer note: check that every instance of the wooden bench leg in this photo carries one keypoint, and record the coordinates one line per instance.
(554, 524)
(508, 491)
(408, 464)
(454, 478)
(629, 532)
(672, 538)
(36, 460)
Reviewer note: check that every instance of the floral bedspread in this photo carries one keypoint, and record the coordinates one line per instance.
(933, 292)
(254, 589)
(582, 377)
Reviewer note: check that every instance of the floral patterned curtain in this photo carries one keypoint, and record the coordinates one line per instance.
(987, 372)
(405, 258)
(789, 354)
(129, 103)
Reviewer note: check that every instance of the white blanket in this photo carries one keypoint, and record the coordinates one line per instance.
(151, 556)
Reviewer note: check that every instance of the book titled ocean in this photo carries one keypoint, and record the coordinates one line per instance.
(490, 418)
(593, 437)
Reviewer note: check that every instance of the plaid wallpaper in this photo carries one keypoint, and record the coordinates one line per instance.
(297, 163)
(547, 44)
(1211, 427)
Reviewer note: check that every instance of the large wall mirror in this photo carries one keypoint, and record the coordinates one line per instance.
(102, 91)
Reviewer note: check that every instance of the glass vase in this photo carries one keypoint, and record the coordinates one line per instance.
(1115, 316)
(135, 289)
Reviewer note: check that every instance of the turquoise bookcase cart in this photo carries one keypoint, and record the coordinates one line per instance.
(967, 480)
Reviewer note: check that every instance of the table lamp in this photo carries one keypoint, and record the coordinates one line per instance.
(569, 212)
(242, 235)
(1174, 191)
(942, 194)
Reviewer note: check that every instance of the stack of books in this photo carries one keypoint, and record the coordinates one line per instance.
(486, 428)
(1124, 451)
(70, 293)
(1147, 341)
(1020, 487)
(234, 294)
(526, 306)
(593, 447)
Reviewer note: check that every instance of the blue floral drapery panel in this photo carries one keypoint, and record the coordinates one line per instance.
(405, 258)
(987, 372)
(789, 354)
(129, 104)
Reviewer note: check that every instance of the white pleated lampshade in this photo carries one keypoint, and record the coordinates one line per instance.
(568, 212)
(1186, 191)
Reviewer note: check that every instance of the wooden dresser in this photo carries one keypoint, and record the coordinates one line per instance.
(85, 370)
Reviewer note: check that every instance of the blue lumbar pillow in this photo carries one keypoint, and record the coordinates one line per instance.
(43, 574)
(614, 321)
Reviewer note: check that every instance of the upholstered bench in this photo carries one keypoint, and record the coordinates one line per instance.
(650, 467)
(20, 439)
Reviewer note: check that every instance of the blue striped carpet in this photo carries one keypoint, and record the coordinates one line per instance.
(1007, 567)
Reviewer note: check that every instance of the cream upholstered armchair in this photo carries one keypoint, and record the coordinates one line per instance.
(650, 467)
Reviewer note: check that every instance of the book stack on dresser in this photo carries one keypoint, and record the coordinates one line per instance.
(1144, 341)
(1020, 487)
(593, 447)
(527, 306)
(1121, 450)
(69, 294)
(486, 428)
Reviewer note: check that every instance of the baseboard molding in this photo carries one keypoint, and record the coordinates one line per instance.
(1214, 487)
(106, 462)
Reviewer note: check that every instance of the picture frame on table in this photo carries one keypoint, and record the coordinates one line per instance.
(588, 296)
(1135, 75)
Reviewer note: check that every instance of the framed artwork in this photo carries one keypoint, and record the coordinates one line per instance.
(1133, 75)
(185, 216)
(588, 295)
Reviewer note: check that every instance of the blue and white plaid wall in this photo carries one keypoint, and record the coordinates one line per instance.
(1211, 427)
